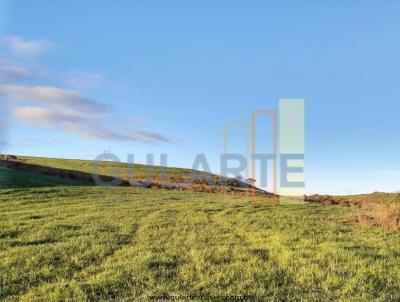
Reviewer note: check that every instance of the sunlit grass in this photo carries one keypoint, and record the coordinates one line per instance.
(118, 169)
(100, 244)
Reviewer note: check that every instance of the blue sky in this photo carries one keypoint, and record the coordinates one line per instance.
(170, 73)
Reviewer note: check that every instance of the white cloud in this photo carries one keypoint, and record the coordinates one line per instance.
(58, 99)
(44, 118)
(10, 71)
(67, 110)
(20, 47)
(58, 108)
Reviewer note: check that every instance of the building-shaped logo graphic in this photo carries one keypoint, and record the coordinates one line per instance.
(287, 154)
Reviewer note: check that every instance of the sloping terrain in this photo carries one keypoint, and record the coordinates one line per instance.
(11, 178)
(64, 239)
(133, 175)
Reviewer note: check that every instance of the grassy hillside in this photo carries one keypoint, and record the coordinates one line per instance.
(105, 168)
(102, 244)
(65, 240)
(10, 178)
(134, 175)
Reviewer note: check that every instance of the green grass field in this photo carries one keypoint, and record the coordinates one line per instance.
(10, 178)
(105, 168)
(85, 243)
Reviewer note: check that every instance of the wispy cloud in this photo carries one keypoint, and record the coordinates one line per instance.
(19, 47)
(10, 71)
(68, 111)
(58, 108)
(44, 118)
(58, 99)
